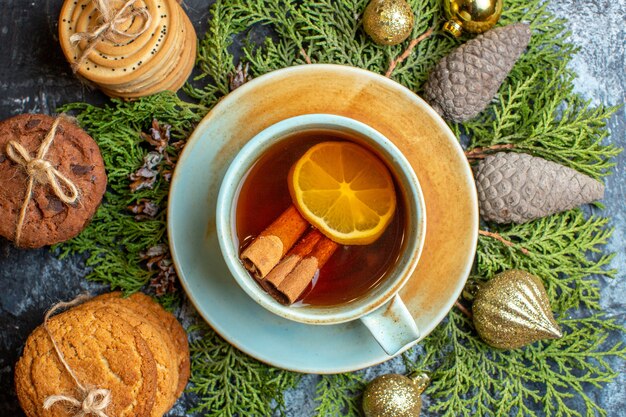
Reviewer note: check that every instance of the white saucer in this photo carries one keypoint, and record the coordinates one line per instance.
(393, 110)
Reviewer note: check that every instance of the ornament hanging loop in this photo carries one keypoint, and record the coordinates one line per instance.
(453, 27)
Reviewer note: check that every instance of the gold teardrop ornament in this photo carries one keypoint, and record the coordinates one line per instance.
(388, 22)
(394, 395)
(474, 16)
(513, 310)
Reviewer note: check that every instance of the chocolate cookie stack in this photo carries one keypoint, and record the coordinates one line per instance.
(128, 48)
(129, 346)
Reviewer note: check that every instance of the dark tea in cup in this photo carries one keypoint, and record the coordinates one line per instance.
(351, 271)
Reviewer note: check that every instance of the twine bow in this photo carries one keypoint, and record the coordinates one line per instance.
(95, 401)
(110, 19)
(41, 171)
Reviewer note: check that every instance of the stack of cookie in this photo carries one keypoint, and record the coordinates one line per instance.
(129, 346)
(128, 48)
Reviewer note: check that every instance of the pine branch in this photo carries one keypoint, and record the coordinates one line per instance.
(338, 395)
(481, 153)
(114, 239)
(231, 383)
(214, 60)
(407, 52)
(474, 379)
(558, 248)
(502, 240)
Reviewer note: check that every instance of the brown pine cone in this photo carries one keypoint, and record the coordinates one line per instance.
(463, 83)
(517, 188)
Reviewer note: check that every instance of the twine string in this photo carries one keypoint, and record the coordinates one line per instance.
(110, 19)
(95, 401)
(41, 171)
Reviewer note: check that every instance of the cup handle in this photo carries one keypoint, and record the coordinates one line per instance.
(392, 326)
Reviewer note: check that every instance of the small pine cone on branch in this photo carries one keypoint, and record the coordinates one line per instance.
(517, 188)
(463, 83)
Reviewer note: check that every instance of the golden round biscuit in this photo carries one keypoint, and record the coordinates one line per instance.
(123, 60)
(186, 66)
(157, 67)
(186, 35)
(103, 350)
(148, 307)
(159, 341)
(160, 346)
(176, 331)
(173, 81)
(109, 59)
(87, 19)
(122, 67)
(166, 75)
(157, 73)
(82, 16)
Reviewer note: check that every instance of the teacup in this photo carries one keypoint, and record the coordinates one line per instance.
(381, 310)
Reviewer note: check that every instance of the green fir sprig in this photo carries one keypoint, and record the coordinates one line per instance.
(114, 239)
(557, 249)
(231, 383)
(536, 111)
(339, 395)
(472, 378)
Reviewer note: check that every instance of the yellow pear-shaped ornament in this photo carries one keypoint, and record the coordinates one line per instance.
(474, 16)
(395, 395)
(388, 22)
(512, 310)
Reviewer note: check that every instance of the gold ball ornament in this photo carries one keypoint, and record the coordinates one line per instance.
(395, 395)
(388, 22)
(474, 16)
(512, 310)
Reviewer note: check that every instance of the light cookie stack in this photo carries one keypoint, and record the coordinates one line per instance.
(130, 346)
(128, 48)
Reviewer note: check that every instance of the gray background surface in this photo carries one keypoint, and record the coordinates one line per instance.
(34, 77)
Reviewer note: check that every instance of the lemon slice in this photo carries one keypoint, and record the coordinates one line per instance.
(345, 191)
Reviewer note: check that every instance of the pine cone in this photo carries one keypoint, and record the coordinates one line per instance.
(516, 188)
(463, 83)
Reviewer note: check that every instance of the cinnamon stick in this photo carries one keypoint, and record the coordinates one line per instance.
(293, 257)
(294, 274)
(267, 249)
